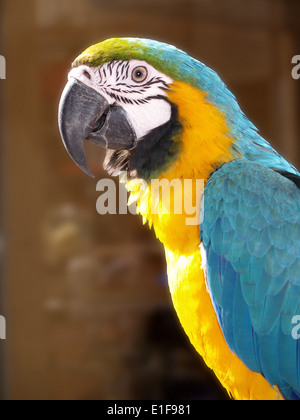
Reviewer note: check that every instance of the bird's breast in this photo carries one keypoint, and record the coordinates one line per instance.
(194, 308)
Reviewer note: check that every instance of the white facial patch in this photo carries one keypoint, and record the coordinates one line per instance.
(119, 83)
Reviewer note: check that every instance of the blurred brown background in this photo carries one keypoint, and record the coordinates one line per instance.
(85, 296)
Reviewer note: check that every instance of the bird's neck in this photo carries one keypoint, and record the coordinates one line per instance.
(206, 141)
(172, 207)
(171, 204)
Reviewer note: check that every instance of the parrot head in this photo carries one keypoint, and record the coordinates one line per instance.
(156, 110)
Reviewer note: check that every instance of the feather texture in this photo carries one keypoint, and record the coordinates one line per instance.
(257, 287)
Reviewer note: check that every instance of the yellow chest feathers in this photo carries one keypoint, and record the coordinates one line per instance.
(205, 145)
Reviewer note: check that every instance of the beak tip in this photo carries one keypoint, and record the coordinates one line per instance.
(90, 174)
(87, 172)
(82, 164)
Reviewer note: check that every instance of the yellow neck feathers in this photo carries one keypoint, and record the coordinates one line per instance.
(205, 145)
(205, 141)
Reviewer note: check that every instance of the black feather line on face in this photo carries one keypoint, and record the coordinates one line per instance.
(152, 155)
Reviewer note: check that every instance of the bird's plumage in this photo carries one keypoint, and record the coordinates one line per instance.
(234, 279)
(251, 234)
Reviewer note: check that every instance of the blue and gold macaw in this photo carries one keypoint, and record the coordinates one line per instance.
(235, 275)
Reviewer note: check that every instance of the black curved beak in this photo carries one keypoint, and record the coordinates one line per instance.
(84, 114)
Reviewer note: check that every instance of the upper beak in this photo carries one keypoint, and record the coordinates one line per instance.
(84, 114)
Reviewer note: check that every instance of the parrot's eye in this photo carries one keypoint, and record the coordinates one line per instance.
(87, 74)
(139, 74)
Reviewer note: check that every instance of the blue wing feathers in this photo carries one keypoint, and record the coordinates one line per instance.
(227, 299)
(259, 221)
(268, 354)
(272, 265)
(244, 339)
(259, 247)
(261, 287)
(251, 233)
(217, 236)
(288, 361)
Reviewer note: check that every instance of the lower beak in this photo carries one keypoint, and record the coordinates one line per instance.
(84, 114)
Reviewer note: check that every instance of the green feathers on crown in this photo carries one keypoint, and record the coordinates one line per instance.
(163, 57)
